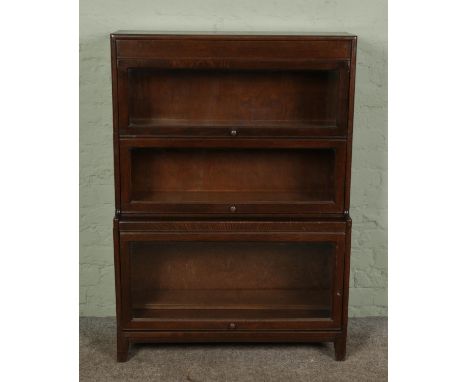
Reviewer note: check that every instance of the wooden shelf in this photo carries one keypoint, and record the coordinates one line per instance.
(228, 314)
(271, 124)
(212, 303)
(229, 196)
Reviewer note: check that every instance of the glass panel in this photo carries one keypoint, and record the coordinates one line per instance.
(233, 175)
(231, 279)
(185, 98)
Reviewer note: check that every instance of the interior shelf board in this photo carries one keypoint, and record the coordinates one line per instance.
(183, 123)
(229, 314)
(229, 196)
(257, 299)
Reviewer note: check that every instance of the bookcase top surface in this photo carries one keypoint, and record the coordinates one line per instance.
(232, 34)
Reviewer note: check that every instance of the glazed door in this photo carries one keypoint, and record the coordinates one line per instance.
(235, 281)
(232, 177)
(246, 99)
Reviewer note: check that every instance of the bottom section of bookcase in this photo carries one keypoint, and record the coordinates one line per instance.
(232, 281)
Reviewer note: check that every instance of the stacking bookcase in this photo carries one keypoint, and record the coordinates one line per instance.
(232, 181)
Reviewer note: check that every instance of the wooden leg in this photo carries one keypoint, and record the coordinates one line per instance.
(340, 348)
(122, 348)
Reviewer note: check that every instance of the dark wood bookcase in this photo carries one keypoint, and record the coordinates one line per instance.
(232, 181)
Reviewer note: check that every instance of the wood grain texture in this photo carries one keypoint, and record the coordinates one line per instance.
(232, 176)
(243, 164)
(140, 225)
(208, 47)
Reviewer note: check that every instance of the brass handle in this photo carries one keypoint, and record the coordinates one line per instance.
(232, 208)
(234, 133)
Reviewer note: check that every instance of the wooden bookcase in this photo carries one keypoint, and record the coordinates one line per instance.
(232, 179)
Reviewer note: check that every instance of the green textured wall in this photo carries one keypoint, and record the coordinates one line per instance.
(366, 18)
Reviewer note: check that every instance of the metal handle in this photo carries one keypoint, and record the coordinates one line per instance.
(234, 133)
(232, 208)
(232, 325)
